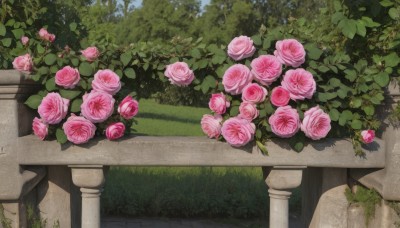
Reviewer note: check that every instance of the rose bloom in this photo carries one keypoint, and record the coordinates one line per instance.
(97, 106)
(237, 131)
(236, 78)
(266, 69)
(290, 52)
(300, 84)
(91, 53)
(368, 136)
(179, 74)
(78, 129)
(45, 35)
(128, 108)
(68, 77)
(23, 63)
(211, 125)
(285, 122)
(218, 103)
(280, 96)
(53, 108)
(241, 47)
(24, 40)
(248, 111)
(254, 93)
(106, 81)
(40, 129)
(115, 131)
(316, 123)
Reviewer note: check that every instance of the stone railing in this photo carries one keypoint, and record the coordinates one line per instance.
(50, 175)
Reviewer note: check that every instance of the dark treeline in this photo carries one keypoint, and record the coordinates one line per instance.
(162, 20)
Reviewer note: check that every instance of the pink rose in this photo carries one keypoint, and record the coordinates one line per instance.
(78, 129)
(218, 103)
(254, 93)
(316, 123)
(241, 47)
(115, 131)
(237, 131)
(40, 129)
(23, 63)
(368, 136)
(236, 78)
(300, 84)
(248, 111)
(211, 125)
(97, 106)
(91, 53)
(24, 40)
(106, 81)
(68, 77)
(179, 74)
(53, 108)
(128, 108)
(266, 69)
(280, 96)
(290, 52)
(45, 35)
(285, 122)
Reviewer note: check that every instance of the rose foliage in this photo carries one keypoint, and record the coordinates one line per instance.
(351, 53)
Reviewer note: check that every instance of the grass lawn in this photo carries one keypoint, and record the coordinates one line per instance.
(208, 192)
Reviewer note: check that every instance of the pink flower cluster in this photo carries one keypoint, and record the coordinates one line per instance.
(253, 86)
(97, 108)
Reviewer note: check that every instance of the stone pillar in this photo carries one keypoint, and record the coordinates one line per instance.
(280, 181)
(55, 200)
(15, 120)
(90, 179)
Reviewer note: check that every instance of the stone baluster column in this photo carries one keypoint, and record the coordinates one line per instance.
(90, 179)
(281, 180)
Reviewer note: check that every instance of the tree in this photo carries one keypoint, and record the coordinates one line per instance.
(158, 20)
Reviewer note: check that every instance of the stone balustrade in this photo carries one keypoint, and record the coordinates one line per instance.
(322, 168)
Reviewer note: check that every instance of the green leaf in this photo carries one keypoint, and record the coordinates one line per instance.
(3, 29)
(335, 82)
(73, 26)
(262, 147)
(85, 69)
(51, 84)
(40, 49)
(130, 73)
(195, 53)
(391, 60)
(313, 52)
(297, 142)
(349, 27)
(394, 13)
(69, 94)
(356, 124)
(356, 103)
(75, 62)
(6, 42)
(18, 33)
(257, 40)
(369, 110)
(351, 75)
(334, 114)
(76, 105)
(342, 93)
(323, 68)
(382, 79)
(61, 137)
(386, 3)
(234, 111)
(347, 115)
(34, 101)
(50, 59)
(126, 58)
(361, 30)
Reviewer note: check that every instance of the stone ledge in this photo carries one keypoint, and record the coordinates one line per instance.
(194, 151)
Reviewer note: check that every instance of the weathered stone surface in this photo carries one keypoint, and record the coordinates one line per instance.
(331, 211)
(384, 217)
(193, 151)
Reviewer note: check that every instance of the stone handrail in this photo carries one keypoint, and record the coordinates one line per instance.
(195, 151)
(322, 165)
